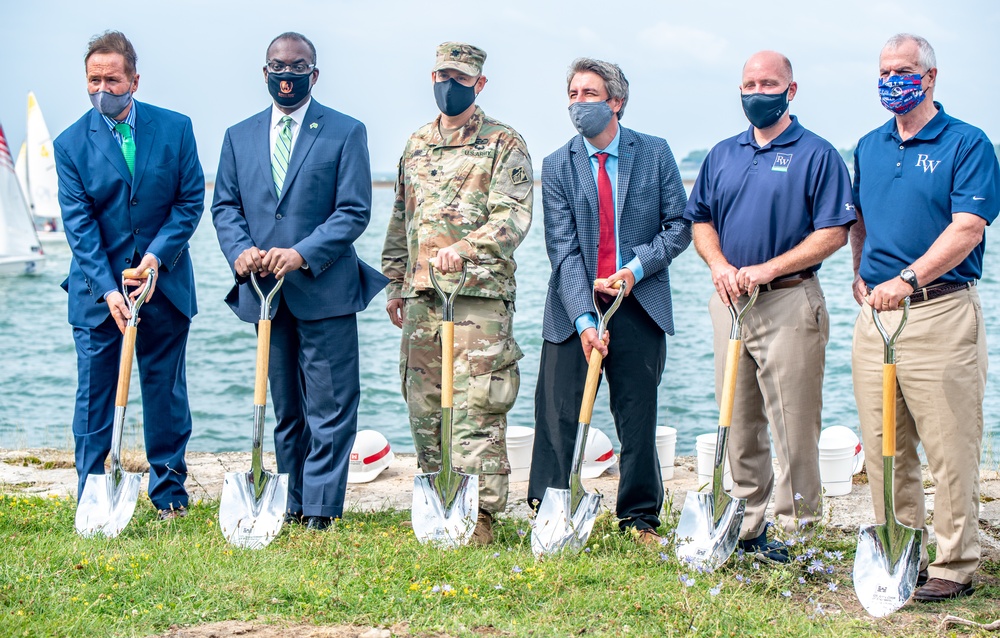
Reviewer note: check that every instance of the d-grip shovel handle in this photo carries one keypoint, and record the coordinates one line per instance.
(889, 380)
(728, 397)
(596, 358)
(263, 339)
(128, 342)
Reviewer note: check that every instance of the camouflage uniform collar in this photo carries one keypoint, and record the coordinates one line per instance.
(464, 136)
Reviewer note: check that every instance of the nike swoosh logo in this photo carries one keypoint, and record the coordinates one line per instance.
(978, 199)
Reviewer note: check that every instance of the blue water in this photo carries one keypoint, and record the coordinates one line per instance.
(38, 371)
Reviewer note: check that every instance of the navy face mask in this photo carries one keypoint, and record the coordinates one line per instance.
(289, 89)
(764, 109)
(453, 97)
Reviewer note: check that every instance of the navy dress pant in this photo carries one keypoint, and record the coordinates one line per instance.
(315, 387)
(160, 351)
(634, 365)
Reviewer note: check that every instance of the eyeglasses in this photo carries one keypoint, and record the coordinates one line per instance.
(277, 66)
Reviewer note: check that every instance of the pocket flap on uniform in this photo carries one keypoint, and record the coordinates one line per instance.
(494, 356)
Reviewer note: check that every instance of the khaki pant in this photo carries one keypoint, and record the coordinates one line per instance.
(941, 366)
(779, 381)
(486, 382)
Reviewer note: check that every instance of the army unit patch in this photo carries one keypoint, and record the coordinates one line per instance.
(518, 175)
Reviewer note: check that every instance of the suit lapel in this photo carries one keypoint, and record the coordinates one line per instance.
(262, 142)
(103, 139)
(589, 220)
(626, 157)
(312, 124)
(145, 138)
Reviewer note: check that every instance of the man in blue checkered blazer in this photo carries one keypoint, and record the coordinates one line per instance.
(644, 187)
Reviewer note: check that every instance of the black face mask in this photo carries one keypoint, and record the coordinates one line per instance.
(289, 89)
(764, 109)
(453, 97)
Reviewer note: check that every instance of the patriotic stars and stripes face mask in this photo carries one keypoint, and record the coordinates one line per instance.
(901, 93)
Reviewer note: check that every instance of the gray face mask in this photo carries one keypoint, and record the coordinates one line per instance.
(110, 104)
(590, 118)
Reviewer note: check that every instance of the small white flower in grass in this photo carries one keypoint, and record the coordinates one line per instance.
(498, 586)
(786, 594)
(521, 532)
(586, 550)
(832, 586)
(664, 556)
(687, 580)
(798, 497)
(515, 569)
(435, 589)
(740, 578)
(715, 590)
(496, 554)
(802, 580)
(664, 541)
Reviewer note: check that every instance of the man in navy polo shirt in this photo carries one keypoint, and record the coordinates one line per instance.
(926, 186)
(768, 206)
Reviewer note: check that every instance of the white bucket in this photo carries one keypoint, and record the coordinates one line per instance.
(705, 446)
(519, 442)
(839, 458)
(666, 440)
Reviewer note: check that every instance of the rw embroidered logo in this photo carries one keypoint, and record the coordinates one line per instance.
(926, 163)
(781, 162)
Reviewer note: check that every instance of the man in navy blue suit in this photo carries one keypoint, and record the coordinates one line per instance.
(292, 193)
(613, 201)
(131, 191)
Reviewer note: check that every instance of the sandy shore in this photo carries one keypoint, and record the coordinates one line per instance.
(44, 472)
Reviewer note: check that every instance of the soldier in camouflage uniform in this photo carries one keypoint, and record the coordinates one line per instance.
(463, 196)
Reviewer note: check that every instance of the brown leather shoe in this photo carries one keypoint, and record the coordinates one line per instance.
(483, 534)
(171, 514)
(648, 537)
(941, 589)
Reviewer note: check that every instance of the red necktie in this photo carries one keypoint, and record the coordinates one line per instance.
(607, 261)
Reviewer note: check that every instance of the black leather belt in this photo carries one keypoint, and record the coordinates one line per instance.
(788, 281)
(927, 293)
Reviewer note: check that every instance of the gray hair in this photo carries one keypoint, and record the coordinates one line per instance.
(926, 56)
(615, 82)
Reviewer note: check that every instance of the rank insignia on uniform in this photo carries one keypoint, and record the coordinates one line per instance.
(455, 53)
(518, 175)
(314, 125)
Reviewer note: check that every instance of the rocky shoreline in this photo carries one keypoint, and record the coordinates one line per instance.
(49, 472)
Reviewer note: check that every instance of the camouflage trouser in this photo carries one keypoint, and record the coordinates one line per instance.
(486, 383)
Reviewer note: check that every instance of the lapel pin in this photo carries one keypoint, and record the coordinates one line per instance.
(314, 125)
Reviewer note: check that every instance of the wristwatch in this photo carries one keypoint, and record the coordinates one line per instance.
(909, 277)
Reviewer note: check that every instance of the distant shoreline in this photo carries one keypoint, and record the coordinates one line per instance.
(382, 183)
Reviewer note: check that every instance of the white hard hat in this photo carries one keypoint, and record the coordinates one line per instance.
(370, 455)
(599, 454)
(841, 437)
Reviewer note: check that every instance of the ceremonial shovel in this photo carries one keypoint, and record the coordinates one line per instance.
(108, 500)
(566, 516)
(252, 507)
(888, 556)
(709, 526)
(446, 503)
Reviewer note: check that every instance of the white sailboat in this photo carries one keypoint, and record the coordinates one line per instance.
(20, 250)
(42, 190)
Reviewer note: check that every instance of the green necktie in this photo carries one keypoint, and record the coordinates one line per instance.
(282, 151)
(128, 145)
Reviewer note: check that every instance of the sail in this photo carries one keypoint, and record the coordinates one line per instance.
(21, 169)
(43, 184)
(18, 240)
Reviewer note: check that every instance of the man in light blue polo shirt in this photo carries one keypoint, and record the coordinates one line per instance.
(926, 186)
(769, 205)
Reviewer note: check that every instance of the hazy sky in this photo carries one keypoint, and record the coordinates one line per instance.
(683, 61)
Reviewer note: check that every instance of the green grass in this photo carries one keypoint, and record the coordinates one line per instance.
(369, 570)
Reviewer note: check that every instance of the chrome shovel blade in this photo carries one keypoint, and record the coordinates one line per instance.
(436, 523)
(104, 508)
(557, 527)
(247, 521)
(886, 566)
(703, 537)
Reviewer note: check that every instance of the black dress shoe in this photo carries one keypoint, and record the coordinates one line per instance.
(318, 523)
(921, 578)
(291, 518)
(941, 589)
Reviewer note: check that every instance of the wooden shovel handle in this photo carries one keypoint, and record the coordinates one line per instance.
(135, 273)
(604, 282)
(590, 388)
(889, 410)
(729, 383)
(263, 358)
(447, 363)
(125, 367)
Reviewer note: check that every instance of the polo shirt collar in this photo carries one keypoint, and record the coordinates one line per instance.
(611, 149)
(930, 130)
(788, 136)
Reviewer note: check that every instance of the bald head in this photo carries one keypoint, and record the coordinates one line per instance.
(771, 63)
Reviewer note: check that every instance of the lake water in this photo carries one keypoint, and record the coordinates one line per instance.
(38, 371)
